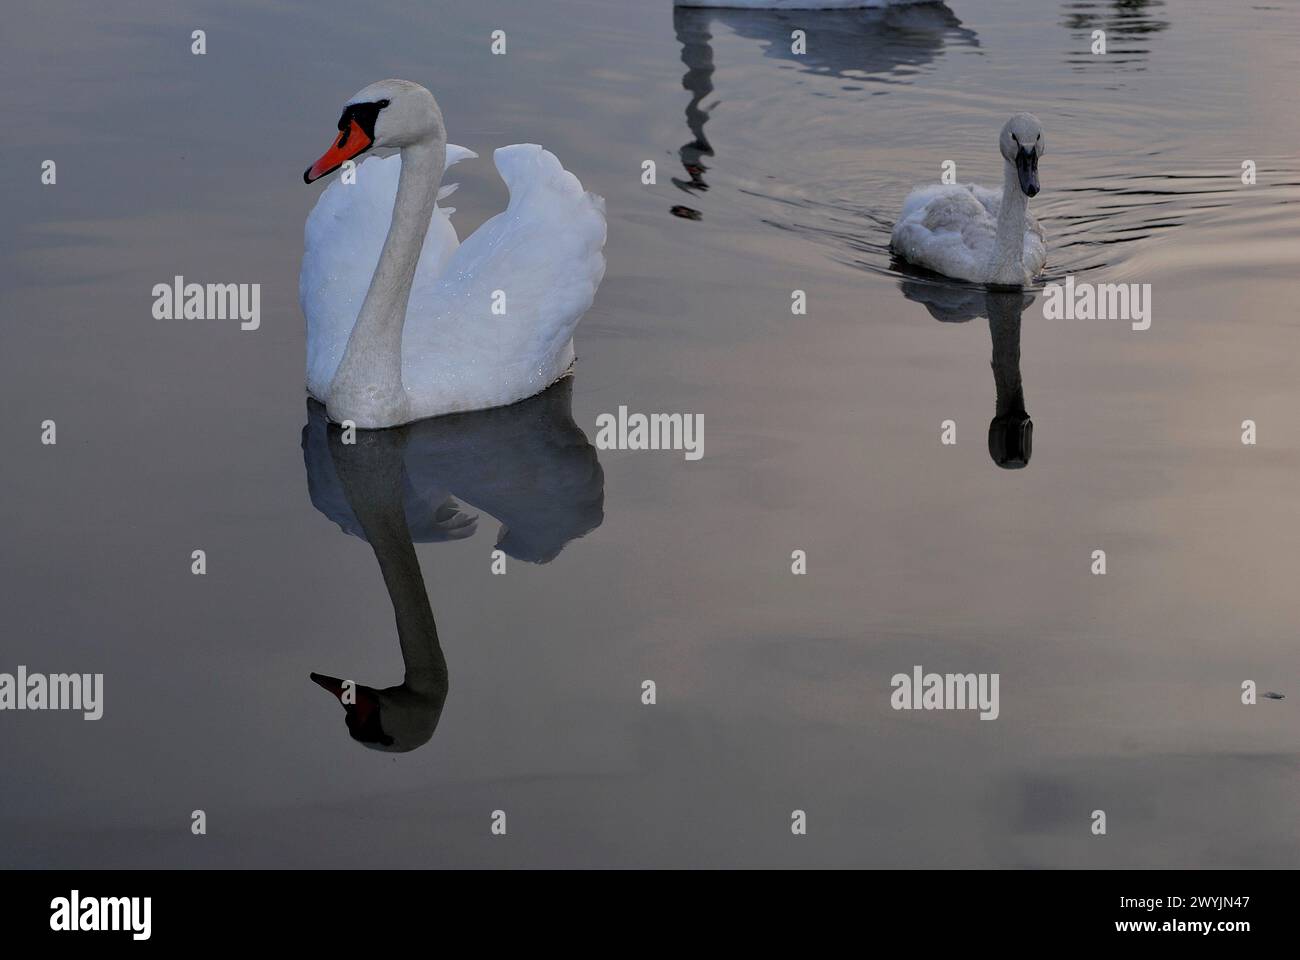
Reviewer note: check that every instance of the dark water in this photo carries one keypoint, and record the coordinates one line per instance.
(522, 692)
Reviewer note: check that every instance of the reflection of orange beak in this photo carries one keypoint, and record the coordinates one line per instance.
(333, 684)
(366, 701)
(351, 142)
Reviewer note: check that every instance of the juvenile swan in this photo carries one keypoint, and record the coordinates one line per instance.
(985, 236)
(405, 323)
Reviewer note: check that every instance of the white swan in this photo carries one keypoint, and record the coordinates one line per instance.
(402, 323)
(985, 236)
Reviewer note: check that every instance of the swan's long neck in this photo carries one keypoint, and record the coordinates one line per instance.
(367, 387)
(1008, 266)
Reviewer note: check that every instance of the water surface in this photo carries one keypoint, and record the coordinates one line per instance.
(776, 173)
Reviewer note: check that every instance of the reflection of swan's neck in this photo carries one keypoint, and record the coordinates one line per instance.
(1008, 264)
(367, 387)
(422, 658)
(372, 475)
(1011, 432)
(1006, 363)
(697, 53)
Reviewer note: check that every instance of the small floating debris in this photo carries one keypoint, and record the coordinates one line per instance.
(1274, 696)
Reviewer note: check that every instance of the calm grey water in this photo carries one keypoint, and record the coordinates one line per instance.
(1118, 692)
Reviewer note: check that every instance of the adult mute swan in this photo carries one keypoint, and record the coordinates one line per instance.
(402, 322)
(985, 236)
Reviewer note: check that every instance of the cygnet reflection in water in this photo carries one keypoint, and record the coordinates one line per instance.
(528, 465)
(1011, 431)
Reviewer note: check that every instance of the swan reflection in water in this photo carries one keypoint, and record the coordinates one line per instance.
(1128, 25)
(1011, 431)
(865, 44)
(528, 465)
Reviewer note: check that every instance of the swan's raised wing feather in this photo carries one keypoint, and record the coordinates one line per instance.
(497, 324)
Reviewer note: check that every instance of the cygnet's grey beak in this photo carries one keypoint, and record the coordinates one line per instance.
(1027, 171)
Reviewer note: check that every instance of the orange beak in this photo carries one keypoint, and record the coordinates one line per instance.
(351, 142)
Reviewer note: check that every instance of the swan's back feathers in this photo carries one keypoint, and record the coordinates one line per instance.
(952, 229)
(497, 324)
(342, 240)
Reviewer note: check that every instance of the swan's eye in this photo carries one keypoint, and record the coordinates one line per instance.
(382, 103)
(364, 114)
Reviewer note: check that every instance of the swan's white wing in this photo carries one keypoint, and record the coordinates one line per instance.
(344, 234)
(952, 229)
(539, 261)
(948, 229)
(990, 200)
